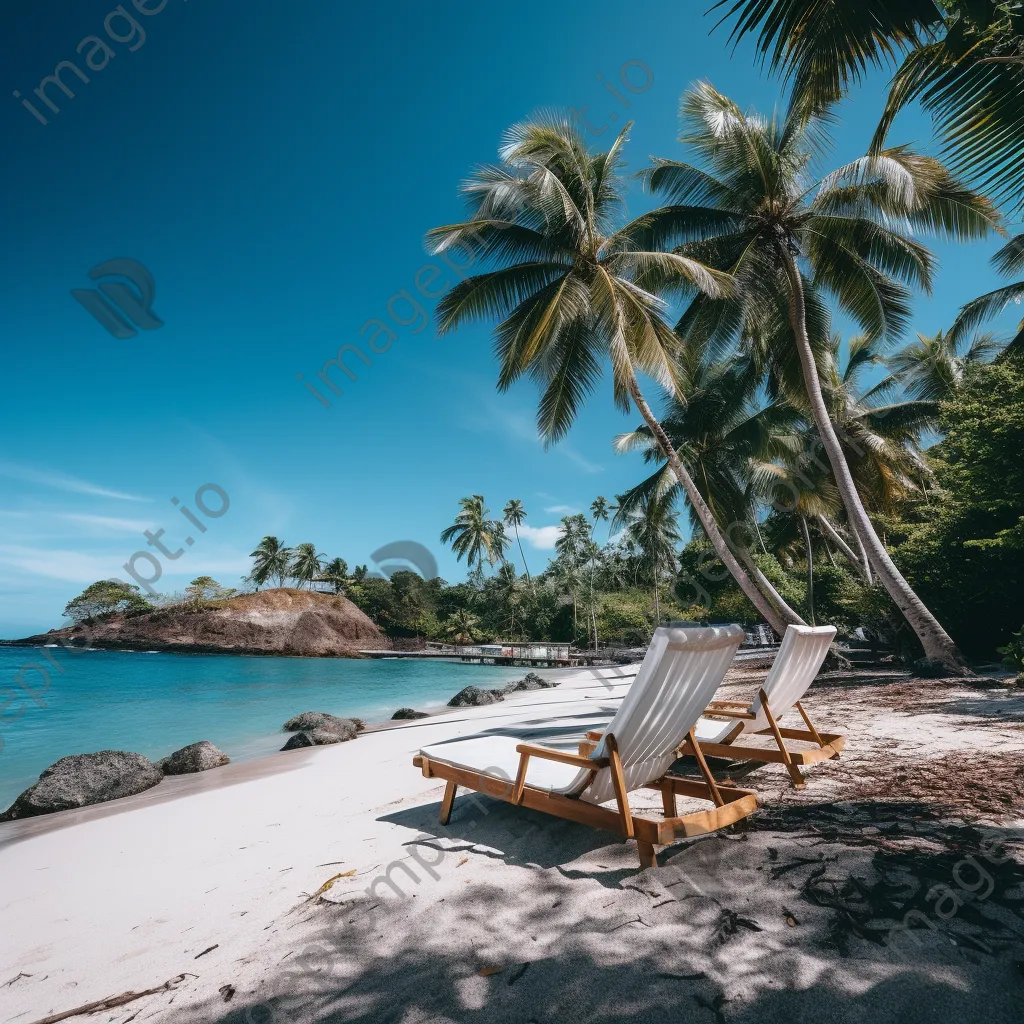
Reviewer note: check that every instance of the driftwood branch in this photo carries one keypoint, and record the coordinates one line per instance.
(111, 1002)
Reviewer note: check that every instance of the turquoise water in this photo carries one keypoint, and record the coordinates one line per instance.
(156, 703)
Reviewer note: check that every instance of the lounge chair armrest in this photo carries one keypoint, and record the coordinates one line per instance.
(742, 705)
(587, 747)
(561, 755)
(729, 713)
(594, 734)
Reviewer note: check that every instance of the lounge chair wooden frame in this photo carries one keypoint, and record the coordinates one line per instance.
(732, 804)
(828, 745)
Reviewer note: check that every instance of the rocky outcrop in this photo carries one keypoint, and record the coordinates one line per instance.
(323, 720)
(83, 779)
(318, 738)
(282, 621)
(531, 681)
(474, 697)
(196, 757)
(408, 713)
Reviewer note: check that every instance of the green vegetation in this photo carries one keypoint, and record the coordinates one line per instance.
(104, 598)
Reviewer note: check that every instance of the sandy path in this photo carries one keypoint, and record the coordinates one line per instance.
(511, 915)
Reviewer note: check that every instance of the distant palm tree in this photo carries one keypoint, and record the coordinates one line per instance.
(306, 564)
(1009, 260)
(474, 535)
(570, 290)
(514, 514)
(654, 527)
(335, 574)
(462, 627)
(932, 368)
(753, 209)
(599, 514)
(510, 590)
(271, 561)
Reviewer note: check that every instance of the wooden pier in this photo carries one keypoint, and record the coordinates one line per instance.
(540, 655)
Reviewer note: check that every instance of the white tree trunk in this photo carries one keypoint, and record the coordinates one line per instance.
(937, 643)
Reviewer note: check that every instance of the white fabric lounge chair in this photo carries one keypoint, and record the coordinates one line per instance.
(795, 667)
(678, 677)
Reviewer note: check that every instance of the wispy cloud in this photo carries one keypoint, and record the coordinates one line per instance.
(562, 510)
(541, 537)
(107, 524)
(63, 482)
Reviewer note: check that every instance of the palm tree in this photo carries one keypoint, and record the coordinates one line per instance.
(571, 548)
(719, 430)
(306, 564)
(514, 514)
(932, 367)
(1009, 260)
(963, 59)
(654, 527)
(509, 589)
(474, 535)
(271, 560)
(334, 573)
(462, 627)
(599, 514)
(754, 210)
(568, 288)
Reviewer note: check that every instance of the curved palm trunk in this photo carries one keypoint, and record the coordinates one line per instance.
(767, 587)
(529, 578)
(810, 567)
(845, 549)
(718, 542)
(936, 641)
(863, 554)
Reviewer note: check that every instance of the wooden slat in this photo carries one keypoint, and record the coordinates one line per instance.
(562, 756)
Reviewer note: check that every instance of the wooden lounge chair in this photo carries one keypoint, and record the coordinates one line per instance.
(678, 677)
(796, 665)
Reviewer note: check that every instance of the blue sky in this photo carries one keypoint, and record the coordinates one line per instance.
(276, 173)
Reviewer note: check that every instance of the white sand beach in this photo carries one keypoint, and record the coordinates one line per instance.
(221, 882)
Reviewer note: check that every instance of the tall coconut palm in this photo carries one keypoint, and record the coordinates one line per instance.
(754, 209)
(271, 561)
(334, 574)
(474, 535)
(655, 527)
(569, 289)
(1009, 260)
(962, 59)
(718, 430)
(932, 367)
(514, 514)
(306, 564)
(599, 514)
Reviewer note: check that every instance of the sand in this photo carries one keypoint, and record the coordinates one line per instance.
(317, 886)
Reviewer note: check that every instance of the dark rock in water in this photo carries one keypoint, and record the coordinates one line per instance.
(318, 738)
(84, 779)
(531, 681)
(408, 713)
(473, 696)
(328, 723)
(196, 757)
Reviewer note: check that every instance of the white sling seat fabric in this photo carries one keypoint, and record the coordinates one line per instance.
(795, 667)
(677, 680)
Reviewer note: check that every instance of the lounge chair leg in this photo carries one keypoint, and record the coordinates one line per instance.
(799, 782)
(648, 858)
(668, 799)
(446, 803)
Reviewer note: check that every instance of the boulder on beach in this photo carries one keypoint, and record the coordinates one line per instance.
(322, 720)
(404, 713)
(83, 779)
(531, 681)
(473, 697)
(196, 757)
(318, 738)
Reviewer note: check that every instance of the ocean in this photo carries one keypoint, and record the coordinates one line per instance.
(156, 703)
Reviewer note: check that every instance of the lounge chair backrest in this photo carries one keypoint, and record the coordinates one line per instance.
(795, 667)
(676, 681)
